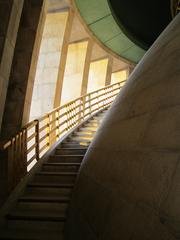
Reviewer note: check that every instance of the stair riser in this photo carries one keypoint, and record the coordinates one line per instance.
(60, 168)
(68, 159)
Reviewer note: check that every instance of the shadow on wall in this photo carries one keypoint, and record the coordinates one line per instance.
(129, 183)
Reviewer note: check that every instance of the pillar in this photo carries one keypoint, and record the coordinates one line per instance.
(86, 68)
(109, 71)
(14, 106)
(10, 13)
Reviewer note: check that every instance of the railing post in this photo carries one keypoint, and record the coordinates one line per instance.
(89, 103)
(48, 130)
(24, 147)
(37, 139)
(57, 124)
(84, 106)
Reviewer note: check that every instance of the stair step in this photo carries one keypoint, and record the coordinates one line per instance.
(37, 218)
(46, 185)
(85, 140)
(84, 134)
(56, 174)
(82, 137)
(79, 140)
(60, 167)
(89, 129)
(54, 177)
(44, 199)
(71, 151)
(47, 192)
(92, 124)
(39, 210)
(66, 158)
(62, 164)
(99, 117)
(74, 145)
(34, 225)
(94, 120)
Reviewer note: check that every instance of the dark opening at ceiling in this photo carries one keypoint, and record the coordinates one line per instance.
(142, 21)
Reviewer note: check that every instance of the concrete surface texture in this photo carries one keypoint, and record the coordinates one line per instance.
(129, 183)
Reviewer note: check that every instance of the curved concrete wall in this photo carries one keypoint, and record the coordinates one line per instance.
(129, 184)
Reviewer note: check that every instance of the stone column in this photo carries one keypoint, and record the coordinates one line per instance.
(14, 106)
(109, 71)
(33, 67)
(10, 13)
(86, 67)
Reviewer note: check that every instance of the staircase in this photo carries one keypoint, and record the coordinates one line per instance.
(39, 211)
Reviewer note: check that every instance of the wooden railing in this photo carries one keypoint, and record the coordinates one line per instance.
(29, 145)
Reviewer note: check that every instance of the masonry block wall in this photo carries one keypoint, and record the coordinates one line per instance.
(129, 183)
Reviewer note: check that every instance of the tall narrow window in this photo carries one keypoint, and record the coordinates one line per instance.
(74, 71)
(118, 76)
(97, 74)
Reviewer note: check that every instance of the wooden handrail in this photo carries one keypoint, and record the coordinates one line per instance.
(34, 139)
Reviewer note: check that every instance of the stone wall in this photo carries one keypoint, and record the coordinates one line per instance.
(129, 183)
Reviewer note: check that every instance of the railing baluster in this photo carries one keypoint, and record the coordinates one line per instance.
(48, 130)
(37, 139)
